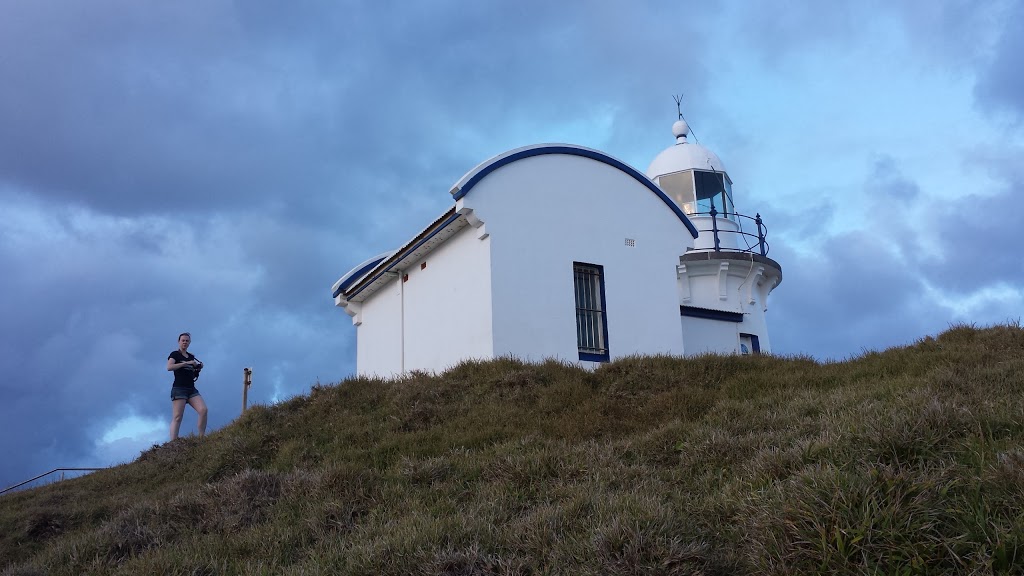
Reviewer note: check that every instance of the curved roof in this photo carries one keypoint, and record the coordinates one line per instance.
(684, 156)
(369, 273)
(356, 273)
(465, 184)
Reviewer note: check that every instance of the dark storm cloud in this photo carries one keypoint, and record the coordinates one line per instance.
(976, 237)
(98, 319)
(959, 244)
(148, 107)
(853, 295)
(870, 288)
(92, 309)
(1001, 83)
(152, 108)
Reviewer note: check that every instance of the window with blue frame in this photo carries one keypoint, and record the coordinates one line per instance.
(749, 344)
(591, 318)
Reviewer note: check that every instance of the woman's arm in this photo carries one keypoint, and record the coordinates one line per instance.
(172, 365)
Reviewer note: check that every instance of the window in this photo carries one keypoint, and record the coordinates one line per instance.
(591, 320)
(696, 190)
(749, 343)
(679, 187)
(714, 188)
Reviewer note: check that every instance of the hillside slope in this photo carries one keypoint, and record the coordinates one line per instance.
(909, 461)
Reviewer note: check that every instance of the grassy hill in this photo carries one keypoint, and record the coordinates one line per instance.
(907, 461)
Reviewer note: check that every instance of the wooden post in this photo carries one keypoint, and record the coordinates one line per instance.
(246, 382)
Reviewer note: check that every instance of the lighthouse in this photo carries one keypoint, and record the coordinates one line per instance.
(562, 251)
(725, 278)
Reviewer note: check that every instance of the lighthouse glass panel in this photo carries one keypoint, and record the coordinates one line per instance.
(712, 188)
(591, 321)
(728, 198)
(679, 187)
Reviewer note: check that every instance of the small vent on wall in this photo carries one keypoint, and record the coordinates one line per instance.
(630, 242)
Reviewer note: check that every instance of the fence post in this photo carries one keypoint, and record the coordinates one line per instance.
(246, 382)
(760, 234)
(714, 223)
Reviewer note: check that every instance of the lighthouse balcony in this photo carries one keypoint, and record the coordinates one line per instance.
(729, 232)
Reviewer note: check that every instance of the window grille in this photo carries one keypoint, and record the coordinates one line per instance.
(591, 320)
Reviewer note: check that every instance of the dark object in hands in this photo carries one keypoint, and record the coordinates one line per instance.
(195, 370)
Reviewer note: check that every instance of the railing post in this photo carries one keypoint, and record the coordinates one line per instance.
(714, 223)
(760, 234)
(246, 382)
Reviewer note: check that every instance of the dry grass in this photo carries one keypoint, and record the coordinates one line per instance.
(907, 461)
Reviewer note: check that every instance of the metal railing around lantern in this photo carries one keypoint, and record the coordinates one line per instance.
(761, 245)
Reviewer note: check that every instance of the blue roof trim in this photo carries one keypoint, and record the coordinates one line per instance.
(586, 153)
(399, 255)
(357, 275)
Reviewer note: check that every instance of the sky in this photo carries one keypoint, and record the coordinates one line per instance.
(214, 167)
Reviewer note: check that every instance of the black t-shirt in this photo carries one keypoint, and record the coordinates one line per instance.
(184, 377)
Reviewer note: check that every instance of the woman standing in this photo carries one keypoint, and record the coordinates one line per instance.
(183, 391)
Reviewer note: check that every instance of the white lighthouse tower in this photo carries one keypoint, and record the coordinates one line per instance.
(724, 281)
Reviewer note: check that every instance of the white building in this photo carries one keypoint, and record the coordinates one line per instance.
(561, 251)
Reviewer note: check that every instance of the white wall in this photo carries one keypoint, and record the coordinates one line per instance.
(545, 212)
(702, 335)
(727, 236)
(448, 304)
(440, 315)
(743, 283)
(379, 337)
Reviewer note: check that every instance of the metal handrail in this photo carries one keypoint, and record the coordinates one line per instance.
(762, 231)
(9, 488)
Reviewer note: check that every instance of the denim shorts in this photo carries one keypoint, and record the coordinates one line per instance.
(183, 393)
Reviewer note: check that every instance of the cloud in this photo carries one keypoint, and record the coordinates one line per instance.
(978, 235)
(897, 277)
(99, 301)
(1000, 83)
(853, 295)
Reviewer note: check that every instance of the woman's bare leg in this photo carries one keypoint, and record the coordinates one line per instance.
(200, 406)
(177, 411)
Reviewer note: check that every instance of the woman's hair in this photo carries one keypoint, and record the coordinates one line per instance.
(184, 334)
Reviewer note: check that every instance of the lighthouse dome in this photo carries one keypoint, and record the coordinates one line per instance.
(693, 177)
(683, 155)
